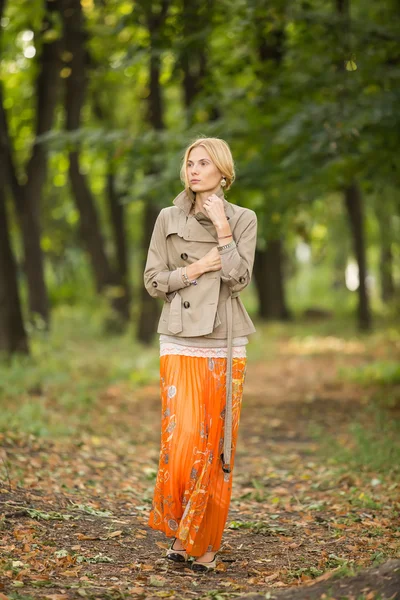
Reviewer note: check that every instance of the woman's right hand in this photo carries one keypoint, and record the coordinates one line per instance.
(211, 261)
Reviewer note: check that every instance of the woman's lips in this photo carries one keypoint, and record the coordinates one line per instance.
(194, 180)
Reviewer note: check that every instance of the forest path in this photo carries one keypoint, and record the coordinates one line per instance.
(75, 510)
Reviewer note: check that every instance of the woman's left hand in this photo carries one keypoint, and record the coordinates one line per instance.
(214, 206)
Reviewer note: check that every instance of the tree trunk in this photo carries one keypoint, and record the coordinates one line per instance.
(117, 217)
(268, 267)
(354, 208)
(12, 332)
(269, 279)
(89, 224)
(106, 280)
(386, 271)
(339, 268)
(386, 256)
(352, 193)
(193, 55)
(28, 197)
(149, 310)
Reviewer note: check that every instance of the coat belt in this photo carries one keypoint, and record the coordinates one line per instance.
(175, 326)
(226, 456)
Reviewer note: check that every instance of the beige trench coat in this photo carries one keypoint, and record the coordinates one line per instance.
(212, 308)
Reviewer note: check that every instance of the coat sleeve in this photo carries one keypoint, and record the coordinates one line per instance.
(238, 260)
(159, 280)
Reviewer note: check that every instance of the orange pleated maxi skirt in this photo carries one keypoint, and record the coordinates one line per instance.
(192, 494)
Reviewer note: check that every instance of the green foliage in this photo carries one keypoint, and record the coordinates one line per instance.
(382, 372)
(305, 103)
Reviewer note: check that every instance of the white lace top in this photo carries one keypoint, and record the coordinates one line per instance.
(200, 347)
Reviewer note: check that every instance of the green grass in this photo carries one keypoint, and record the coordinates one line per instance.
(54, 391)
(370, 447)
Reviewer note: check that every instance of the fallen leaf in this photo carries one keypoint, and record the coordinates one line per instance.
(157, 581)
(326, 575)
(71, 572)
(114, 534)
(83, 536)
(271, 577)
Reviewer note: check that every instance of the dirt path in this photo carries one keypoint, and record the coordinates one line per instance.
(74, 512)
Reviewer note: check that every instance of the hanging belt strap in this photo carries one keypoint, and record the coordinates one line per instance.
(226, 456)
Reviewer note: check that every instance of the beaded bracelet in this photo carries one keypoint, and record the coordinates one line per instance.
(186, 278)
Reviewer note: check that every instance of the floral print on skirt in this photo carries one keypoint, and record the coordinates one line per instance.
(192, 494)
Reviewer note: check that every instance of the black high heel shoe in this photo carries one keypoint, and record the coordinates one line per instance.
(202, 567)
(176, 555)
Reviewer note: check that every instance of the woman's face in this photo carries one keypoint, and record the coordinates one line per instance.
(201, 172)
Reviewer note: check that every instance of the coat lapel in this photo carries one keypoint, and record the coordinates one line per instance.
(195, 232)
(189, 227)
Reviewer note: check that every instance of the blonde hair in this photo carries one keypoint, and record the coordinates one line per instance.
(220, 154)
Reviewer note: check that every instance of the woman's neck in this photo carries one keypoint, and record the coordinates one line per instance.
(200, 198)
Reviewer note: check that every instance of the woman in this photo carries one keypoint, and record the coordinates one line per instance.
(200, 257)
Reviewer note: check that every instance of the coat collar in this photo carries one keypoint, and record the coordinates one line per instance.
(184, 202)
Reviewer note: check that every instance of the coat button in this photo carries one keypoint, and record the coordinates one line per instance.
(242, 279)
(184, 256)
(186, 304)
(155, 284)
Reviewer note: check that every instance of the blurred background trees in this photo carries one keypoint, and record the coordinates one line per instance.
(98, 100)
